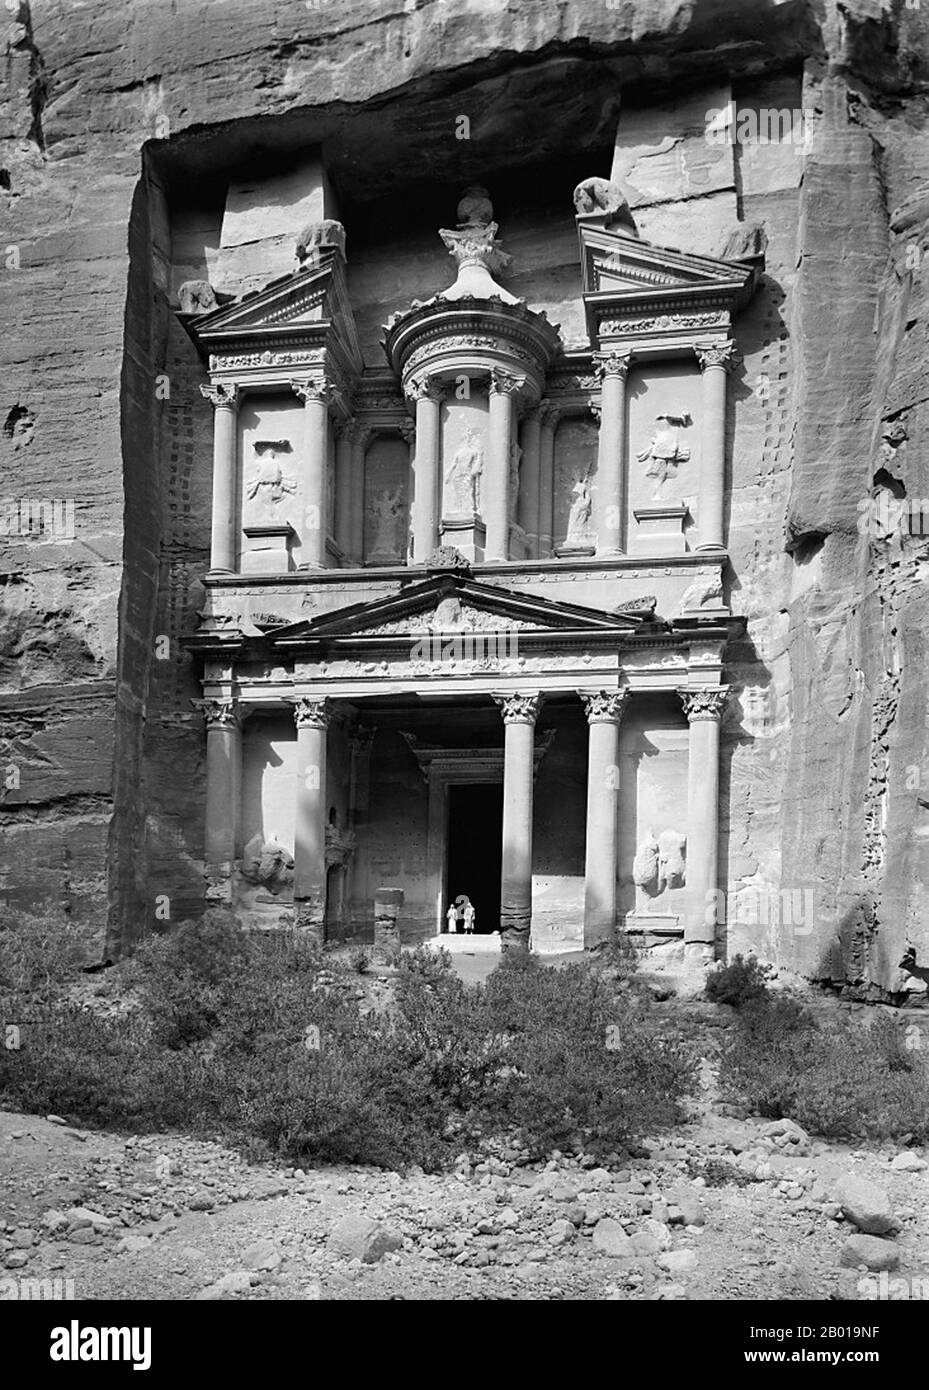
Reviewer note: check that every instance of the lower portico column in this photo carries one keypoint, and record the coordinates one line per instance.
(519, 716)
(312, 720)
(223, 795)
(604, 712)
(703, 709)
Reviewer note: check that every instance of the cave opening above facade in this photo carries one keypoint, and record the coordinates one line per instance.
(465, 623)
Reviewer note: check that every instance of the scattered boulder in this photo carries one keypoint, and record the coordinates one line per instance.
(870, 1251)
(908, 1162)
(677, 1261)
(263, 1254)
(865, 1205)
(360, 1238)
(609, 1238)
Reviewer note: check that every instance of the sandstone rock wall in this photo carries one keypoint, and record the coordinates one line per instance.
(111, 114)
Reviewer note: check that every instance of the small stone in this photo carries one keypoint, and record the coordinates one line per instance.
(678, 1261)
(23, 1238)
(358, 1237)
(263, 1254)
(132, 1245)
(16, 1259)
(55, 1120)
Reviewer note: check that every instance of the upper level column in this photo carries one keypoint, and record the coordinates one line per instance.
(225, 401)
(549, 424)
(528, 512)
(613, 368)
(500, 430)
(343, 489)
(715, 364)
(360, 434)
(317, 395)
(428, 396)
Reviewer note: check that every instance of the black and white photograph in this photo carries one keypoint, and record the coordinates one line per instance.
(464, 674)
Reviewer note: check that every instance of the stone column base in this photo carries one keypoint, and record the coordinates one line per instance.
(219, 885)
(309, 917)
(515, 930)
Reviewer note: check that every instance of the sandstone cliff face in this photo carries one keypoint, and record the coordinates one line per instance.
(112, 113)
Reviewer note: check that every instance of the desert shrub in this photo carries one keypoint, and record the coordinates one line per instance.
(40, 952)
(264, 1040)
(850, 1082)
(739, 982)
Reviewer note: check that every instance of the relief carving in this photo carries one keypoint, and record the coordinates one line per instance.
(665, 451)
(269, 484)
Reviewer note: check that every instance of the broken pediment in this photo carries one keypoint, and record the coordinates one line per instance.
(284, 322)
(634, 289)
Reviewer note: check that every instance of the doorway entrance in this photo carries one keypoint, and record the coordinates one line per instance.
(475, 850)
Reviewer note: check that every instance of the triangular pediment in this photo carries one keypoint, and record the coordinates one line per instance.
(308, 305)
(451, 606)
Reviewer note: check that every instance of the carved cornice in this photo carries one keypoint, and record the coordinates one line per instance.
(310, 713)
(716, 355)
(219, 714)
(221, 394)
(605, 707)
(704, 704)
(521, 708)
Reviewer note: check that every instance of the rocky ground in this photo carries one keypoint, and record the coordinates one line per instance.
(730, 1207)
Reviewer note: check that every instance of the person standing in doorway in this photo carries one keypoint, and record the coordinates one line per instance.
(469, 915)
(451, 918)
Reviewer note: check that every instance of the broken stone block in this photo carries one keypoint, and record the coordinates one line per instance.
(609, 1238)
(360, 1238)
(871, 1251)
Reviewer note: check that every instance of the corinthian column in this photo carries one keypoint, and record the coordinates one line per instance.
(519, 716)
(425, 518)
(703, 709)
(549, 422)
(604, 712)
(612, 368)
(496, 483)
(223, 794)
(715, 364)
(225, 401)
(312, 720)
(316, 396)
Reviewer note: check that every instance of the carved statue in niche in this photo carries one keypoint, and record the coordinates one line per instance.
(658, 864)
(579, 515)
(387, 511)
(516, 458)
(463, 475)
(267, 864)
(665, 450)
(269, 483)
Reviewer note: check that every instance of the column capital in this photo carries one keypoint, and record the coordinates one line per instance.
(716, 355)
(549, 414)
(310, 713)
(316, 389)
(219, 714)
(604, 706)
(221, 393)
(615, 363)
(522, 708)
(407, 431)
(505, 383)
(425, 389)
(704, 704)
(359, 432)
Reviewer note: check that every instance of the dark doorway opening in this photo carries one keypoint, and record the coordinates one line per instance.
(475, 850)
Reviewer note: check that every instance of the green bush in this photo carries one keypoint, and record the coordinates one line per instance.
(849, 1083)
(738, 983)
(40, 953)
